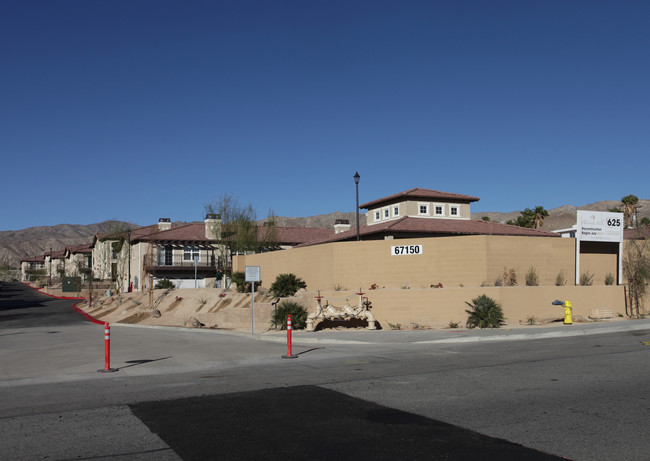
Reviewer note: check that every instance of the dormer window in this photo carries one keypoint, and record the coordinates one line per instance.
(439, 210)
(423, 209)
(386, 213)
(453, 211)
(396, 210)
(377, 215)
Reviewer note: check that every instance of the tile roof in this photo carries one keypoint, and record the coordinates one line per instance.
(435, 227)
(195, 232)
(40, 258)
(84, 248)
(192, 232)
(419, 193)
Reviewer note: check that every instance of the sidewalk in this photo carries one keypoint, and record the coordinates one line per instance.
(364, 336)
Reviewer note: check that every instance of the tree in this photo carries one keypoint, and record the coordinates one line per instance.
(636, 267)
(540, 214)
(532, 219)
(236, 231)
(629, 203)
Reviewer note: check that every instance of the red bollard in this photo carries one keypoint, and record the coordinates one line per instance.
(107, 350)
(289, 354)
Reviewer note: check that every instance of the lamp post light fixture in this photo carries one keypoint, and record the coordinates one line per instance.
(356, 182)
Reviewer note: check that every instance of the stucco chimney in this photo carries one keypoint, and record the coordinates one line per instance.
(164, 224)
(212, 226)
(341, 225)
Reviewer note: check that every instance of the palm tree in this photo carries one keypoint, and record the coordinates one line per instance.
(538, 219)
(629, 209)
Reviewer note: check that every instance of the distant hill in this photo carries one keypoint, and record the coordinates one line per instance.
(34, 241)
(565, 216)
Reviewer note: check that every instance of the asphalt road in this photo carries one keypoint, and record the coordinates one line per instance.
(581, 398)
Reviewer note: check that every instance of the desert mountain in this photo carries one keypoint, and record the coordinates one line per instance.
(34, 241)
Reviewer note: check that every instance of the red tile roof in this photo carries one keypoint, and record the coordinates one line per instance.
(418, 193)
(431, 227)
(84, 248)
(195, 232)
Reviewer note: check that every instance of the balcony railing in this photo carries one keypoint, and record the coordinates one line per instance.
(152, 264)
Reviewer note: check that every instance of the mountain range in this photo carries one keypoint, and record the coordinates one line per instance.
(34, 241)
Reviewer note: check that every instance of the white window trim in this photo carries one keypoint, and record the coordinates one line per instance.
(457, 208)
(435, 212)
(386, 213)
(395, 211)
(191, 251)
(377, 215)
(420, 205)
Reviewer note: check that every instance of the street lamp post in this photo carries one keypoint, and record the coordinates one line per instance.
(49, 282)
(128, 283)
(356, 182)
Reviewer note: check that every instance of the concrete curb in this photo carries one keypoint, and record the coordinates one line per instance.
(475, 336)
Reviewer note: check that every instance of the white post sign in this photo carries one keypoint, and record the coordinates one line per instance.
(599, 226)
(252, 274)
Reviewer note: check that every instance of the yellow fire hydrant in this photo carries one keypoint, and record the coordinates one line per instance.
(567, 313)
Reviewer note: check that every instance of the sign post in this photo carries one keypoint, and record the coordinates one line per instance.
(253, 275)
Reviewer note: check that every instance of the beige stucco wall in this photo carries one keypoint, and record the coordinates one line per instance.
(461, 264)
(452, 261)
(412, 208)
(436, 308)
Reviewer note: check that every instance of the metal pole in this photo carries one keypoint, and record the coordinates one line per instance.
(196, 263)
(356, 182)
(128, 284)
(253, 310)
(49, 283)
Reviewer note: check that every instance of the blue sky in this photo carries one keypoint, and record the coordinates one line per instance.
(136, 110)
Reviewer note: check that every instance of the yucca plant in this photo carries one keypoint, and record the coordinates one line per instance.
(287, 285)
(485, 312)
(282, 311)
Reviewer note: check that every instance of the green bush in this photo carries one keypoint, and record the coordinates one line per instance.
(287, 285)
(164, 284)
(239, 279)
(485, 312)
(282, 310)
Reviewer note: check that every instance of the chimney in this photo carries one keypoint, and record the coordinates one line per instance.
(164, 224)
(341, 225)
(212, 226)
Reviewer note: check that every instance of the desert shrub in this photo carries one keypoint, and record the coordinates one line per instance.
(287, 285)
(484, 312)
(560, 278)
(239, 279)
(298, 315)
(532, 279)
(509, 277)
(610, 279)
(586, 279)
(453, 324)
(164, 284)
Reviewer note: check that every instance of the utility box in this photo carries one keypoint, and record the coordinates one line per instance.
(71, 284)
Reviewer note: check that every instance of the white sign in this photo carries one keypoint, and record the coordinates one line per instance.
(399, 250)
(253, 274)
(600, 226)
